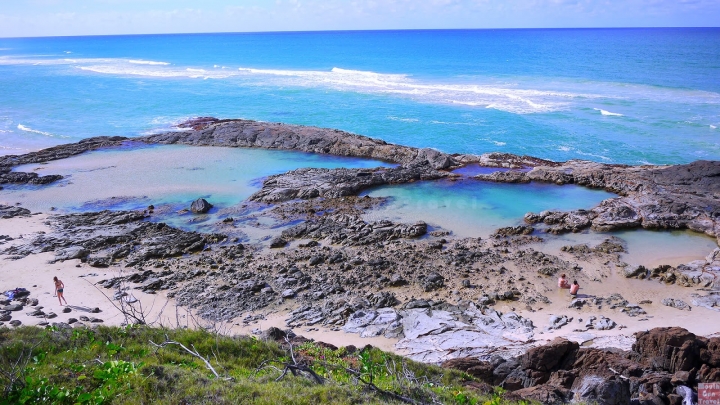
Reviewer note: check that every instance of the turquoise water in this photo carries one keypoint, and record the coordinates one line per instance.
(472, 208)
(174, 175)
(611, 95)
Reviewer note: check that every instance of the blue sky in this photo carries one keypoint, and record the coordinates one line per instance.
(100, 17)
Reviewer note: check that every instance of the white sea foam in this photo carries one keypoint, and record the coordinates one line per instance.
(564, 148)
(608, 113)
(147, 62)
(393, 118)
(35, 131)
(713, 126)
(521, 97)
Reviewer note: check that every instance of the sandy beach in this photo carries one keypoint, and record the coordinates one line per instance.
(35, 272)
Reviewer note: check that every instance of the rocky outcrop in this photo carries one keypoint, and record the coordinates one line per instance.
(433, 335)
(332, 183)
(703, 273)
(101, 238)
(664, 363)
(7, 176)
(656, 197)
(200, 206)
(268, 135)
(9, 211)
(351, 230)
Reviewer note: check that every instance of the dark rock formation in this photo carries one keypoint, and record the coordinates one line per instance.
(45, 155)
(200, 206)
(254, 134)
(333, 183)
(663, 361)
(9, 211)
(103, 237)
(656, 197)
(352, 231)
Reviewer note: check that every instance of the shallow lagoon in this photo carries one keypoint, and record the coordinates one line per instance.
(137, 176)
(472, 208)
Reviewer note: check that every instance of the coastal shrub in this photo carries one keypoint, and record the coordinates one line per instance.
(119, 365)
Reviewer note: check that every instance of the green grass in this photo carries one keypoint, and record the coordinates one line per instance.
(116, 365)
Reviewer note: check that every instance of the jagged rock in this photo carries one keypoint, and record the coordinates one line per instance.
(71, 321)
(11, 211)
(603, 391)
(675, 303)
(200, 206)
(289, 293)
(66, 310)
(69, 253)
(15, 322)
(634, 271)
(278, 242)
(670, 349)
(421, 303)
(254, 134)
(710, 301)
(604, 324)
(482, 370)
(12, 307)
(557, 322)
(545, 394)
(5, 317)
(556, 354)
(433, 281)
(514, 230)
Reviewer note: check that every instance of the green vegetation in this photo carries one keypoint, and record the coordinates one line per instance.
(116, 365)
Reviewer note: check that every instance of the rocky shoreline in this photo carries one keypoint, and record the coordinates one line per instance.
(462, 302)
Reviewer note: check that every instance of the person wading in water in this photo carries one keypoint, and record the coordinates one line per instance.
(59, 286)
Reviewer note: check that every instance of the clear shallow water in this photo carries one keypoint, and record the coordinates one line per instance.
(167, 174)
(620, 95)
(473, 208)
(645, 247)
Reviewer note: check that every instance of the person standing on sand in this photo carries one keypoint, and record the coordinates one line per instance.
(59, 287)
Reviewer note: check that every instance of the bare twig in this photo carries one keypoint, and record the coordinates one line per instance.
(192, 352)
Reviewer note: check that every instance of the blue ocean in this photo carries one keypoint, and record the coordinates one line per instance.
(631, 96)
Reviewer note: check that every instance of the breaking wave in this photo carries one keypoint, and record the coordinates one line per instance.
(525, 96)
(608, 113)
(147, 62)
(35, 131)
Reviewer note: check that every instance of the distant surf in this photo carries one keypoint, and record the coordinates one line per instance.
(35, 131)
(147, 62)
(608, 113)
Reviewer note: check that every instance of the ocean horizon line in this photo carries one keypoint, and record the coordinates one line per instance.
(409, 30)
